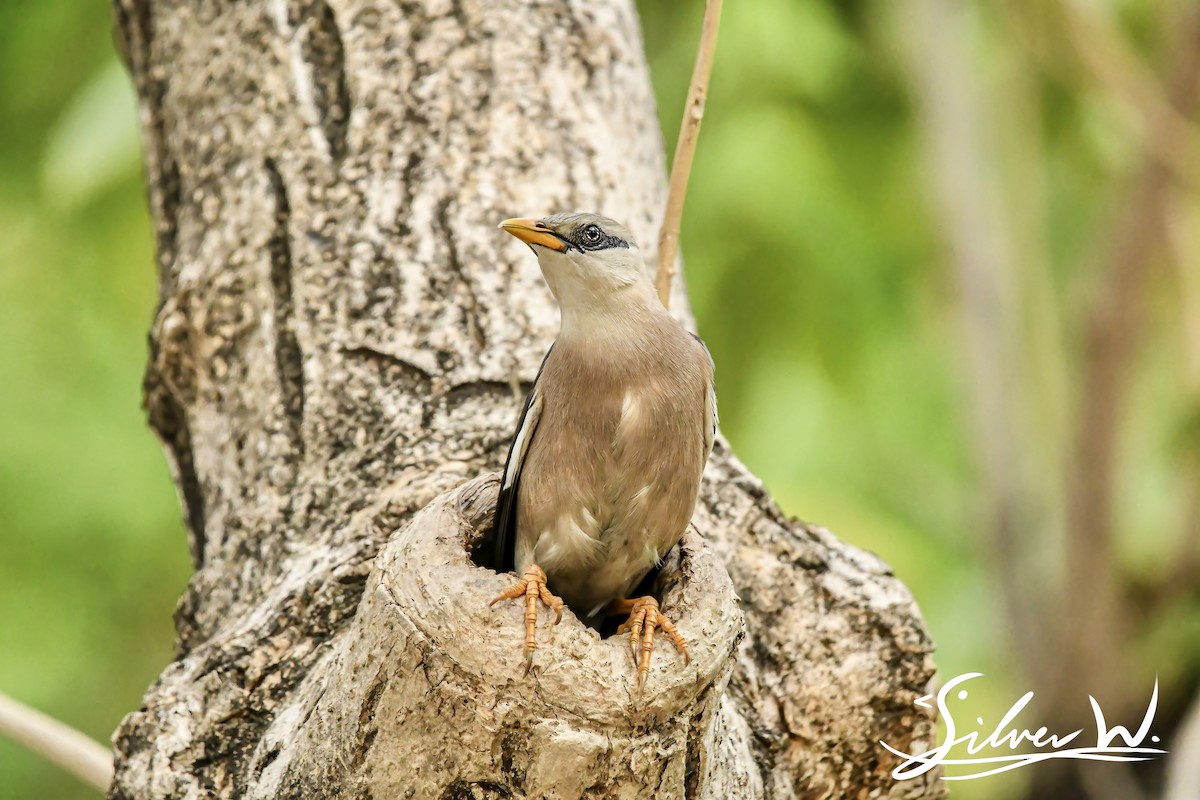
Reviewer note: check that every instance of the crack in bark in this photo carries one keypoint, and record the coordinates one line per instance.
(692, 759)
(322, 49)
(289, 360)
(168, 417)
(474, 317)
(417, 375)
(462, 392)
(407, 183)
(168, 390)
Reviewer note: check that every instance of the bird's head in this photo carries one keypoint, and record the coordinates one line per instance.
(587, 259)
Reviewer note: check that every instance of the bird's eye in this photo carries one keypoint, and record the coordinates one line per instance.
(592, 234)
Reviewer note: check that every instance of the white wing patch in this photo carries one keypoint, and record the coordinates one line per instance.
(640, 497)
(711, 420)
(521, 442)
(631, 414)
(710, 429)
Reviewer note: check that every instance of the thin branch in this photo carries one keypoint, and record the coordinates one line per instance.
(685, 150)
(78, 754)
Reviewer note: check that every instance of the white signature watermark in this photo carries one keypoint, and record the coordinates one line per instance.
(1005, 734)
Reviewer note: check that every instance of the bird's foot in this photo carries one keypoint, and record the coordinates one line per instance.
(645, 618)
(532, 586)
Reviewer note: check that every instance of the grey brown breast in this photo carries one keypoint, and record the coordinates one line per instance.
(604, 470)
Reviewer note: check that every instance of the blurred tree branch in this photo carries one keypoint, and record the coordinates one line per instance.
(953, 116)
(1105, 55)
(1094, 628)
(1183, 242)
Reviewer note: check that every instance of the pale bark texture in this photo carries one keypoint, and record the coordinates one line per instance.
(336, 368)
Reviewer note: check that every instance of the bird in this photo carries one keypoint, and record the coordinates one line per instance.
(604, 469)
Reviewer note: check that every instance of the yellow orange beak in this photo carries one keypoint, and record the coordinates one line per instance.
(533, 232)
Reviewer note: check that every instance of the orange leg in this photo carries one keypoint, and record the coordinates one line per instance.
(532, 586)
(644, 619)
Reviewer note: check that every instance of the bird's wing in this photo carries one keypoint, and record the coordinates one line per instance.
(710, 411)
(506, 505)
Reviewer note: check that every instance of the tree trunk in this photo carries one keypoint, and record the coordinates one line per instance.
(337, 365)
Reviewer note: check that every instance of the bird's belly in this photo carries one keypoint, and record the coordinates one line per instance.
(602, 506)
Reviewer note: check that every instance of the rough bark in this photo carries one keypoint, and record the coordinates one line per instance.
(336, 367)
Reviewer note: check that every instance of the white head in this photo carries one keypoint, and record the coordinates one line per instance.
(591, 263)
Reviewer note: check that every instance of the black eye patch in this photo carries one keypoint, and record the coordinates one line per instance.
(593, 237)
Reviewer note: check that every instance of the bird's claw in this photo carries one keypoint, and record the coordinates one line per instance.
(532, 586)
(645, 618)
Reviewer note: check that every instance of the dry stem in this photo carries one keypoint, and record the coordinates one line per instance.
(685, 150)
(78, 754)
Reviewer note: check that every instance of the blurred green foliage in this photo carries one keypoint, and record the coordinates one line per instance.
(821, 277)
(92, 552)
(818, 274)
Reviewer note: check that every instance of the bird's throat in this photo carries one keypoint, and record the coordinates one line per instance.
(606, 314)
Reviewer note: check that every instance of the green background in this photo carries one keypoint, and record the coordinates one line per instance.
(821, 273)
